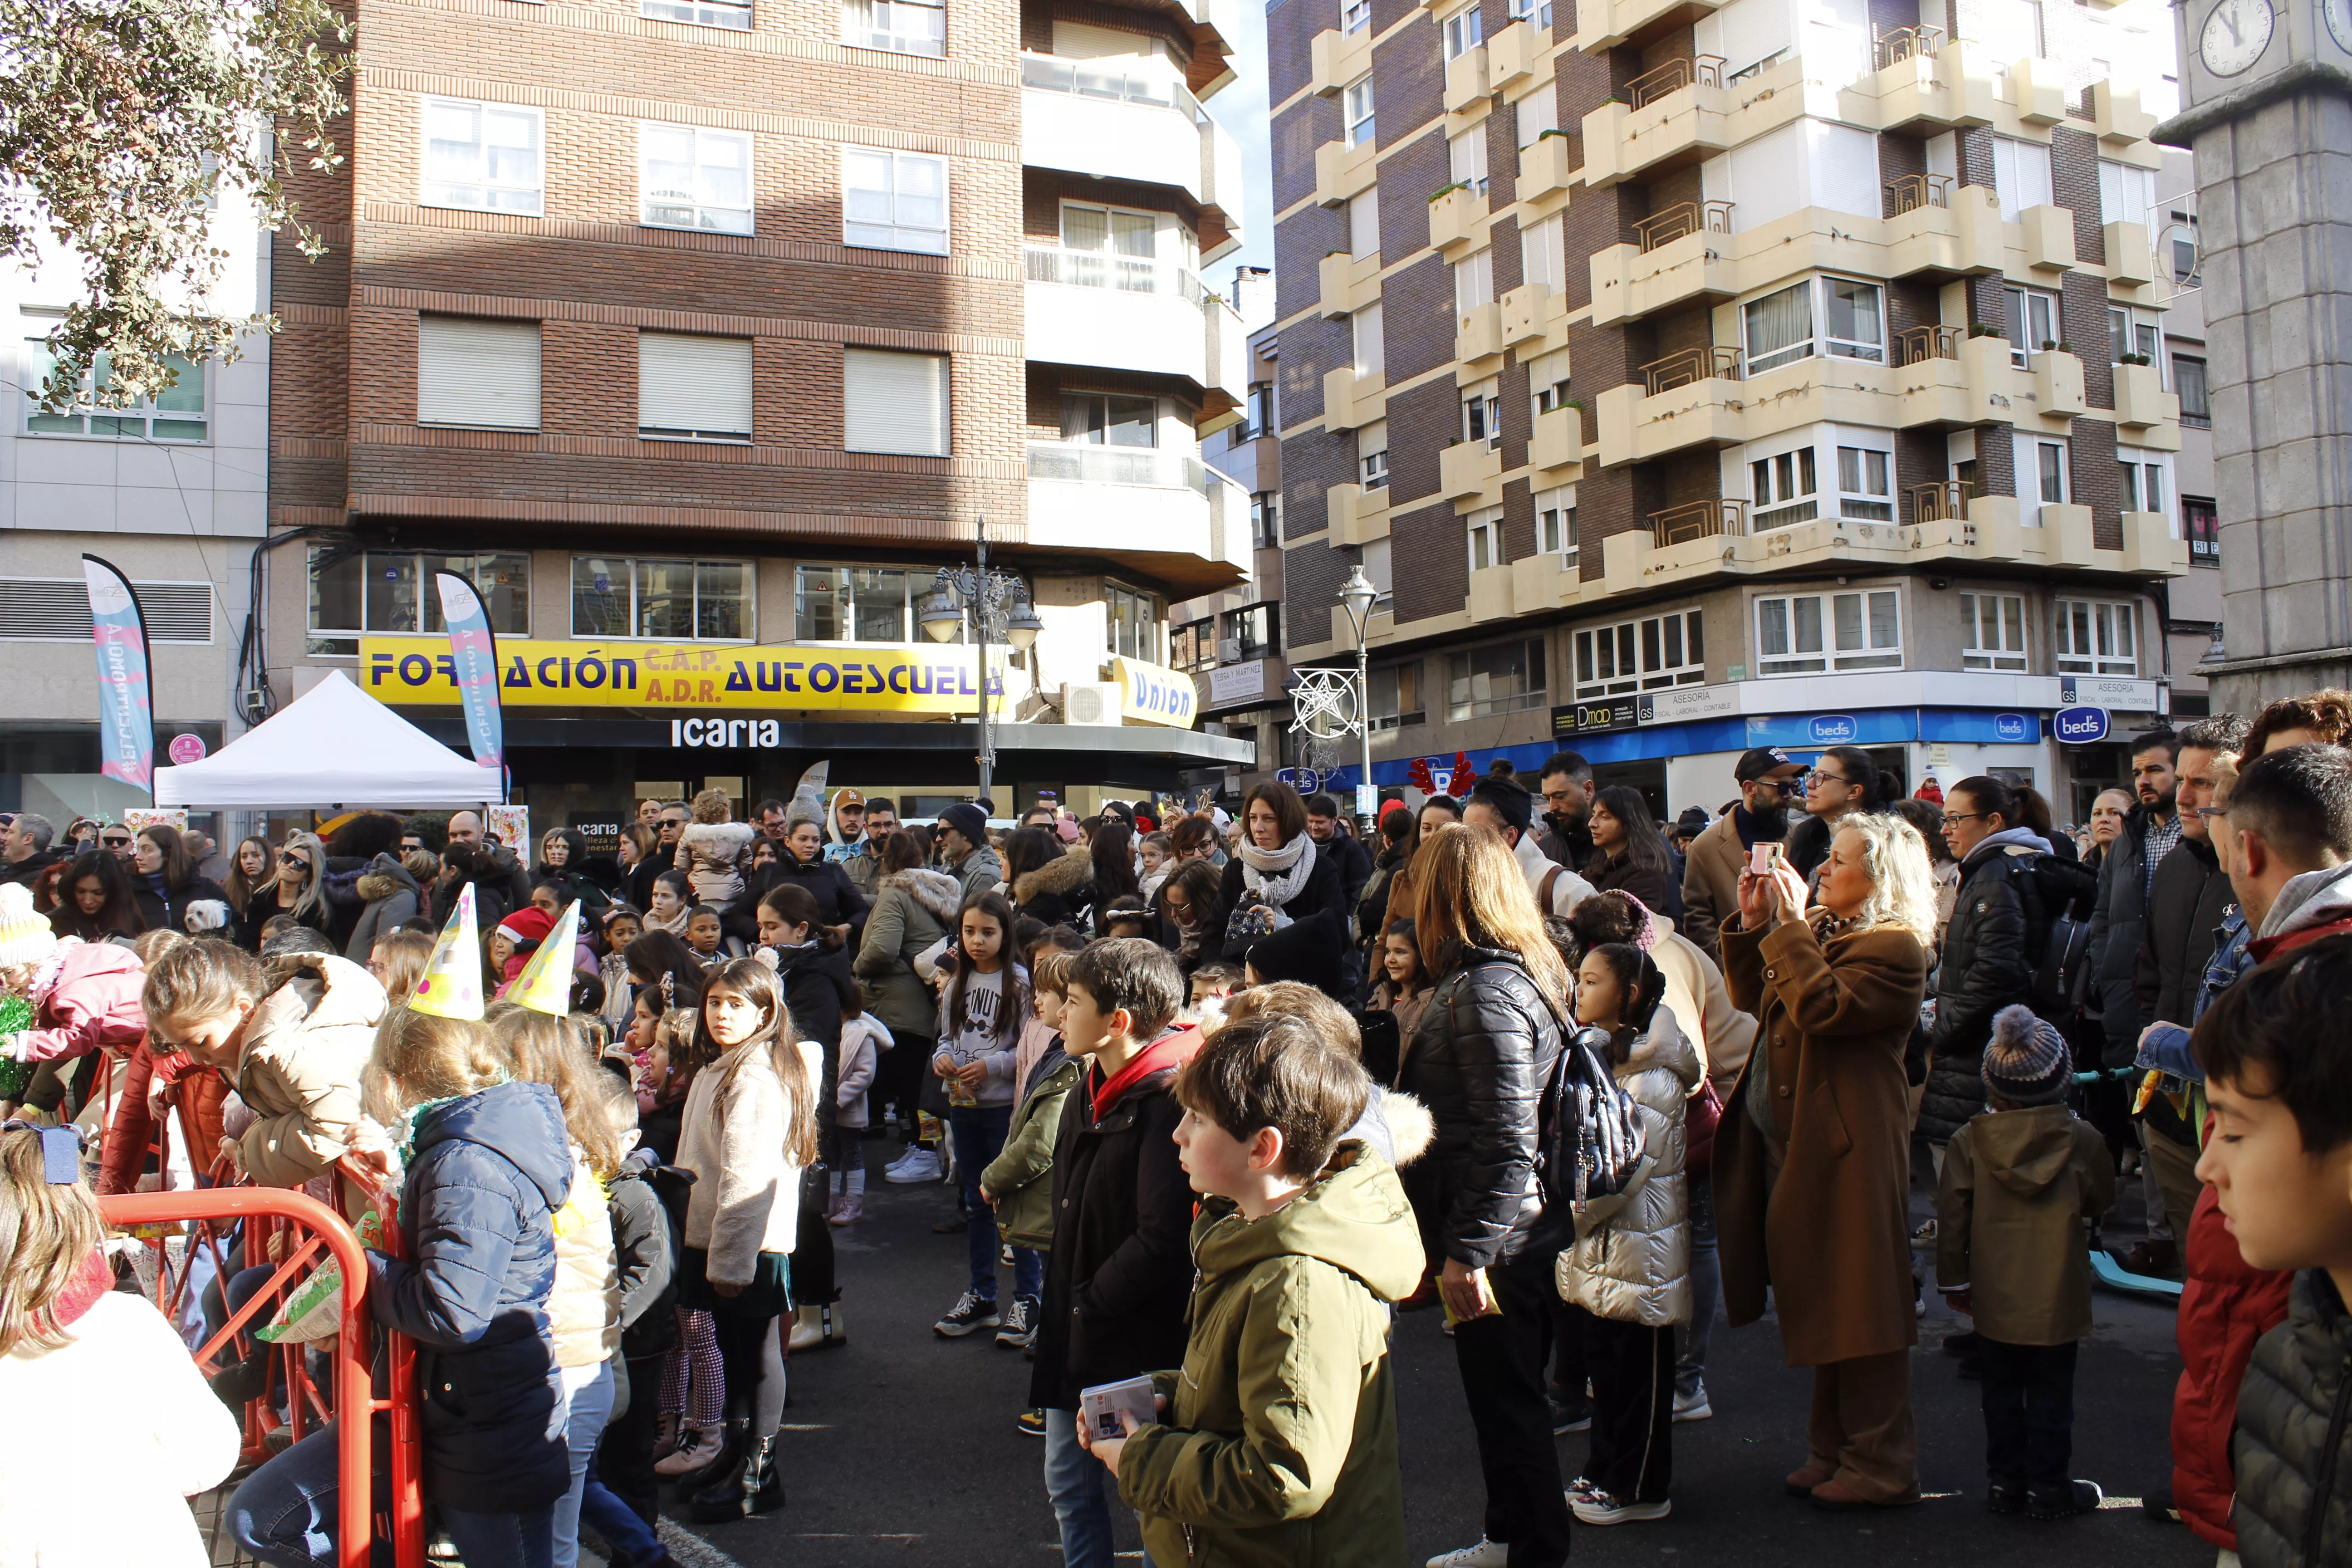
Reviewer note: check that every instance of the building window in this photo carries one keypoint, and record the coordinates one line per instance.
(1364, 224)
(1781, 490)
(1482, 418)
(2020, 175)
(2145, 481)
(694, 388)
(1380, 573)
(1543, 254)
(894, 201)
(1646, 655)
(1463, 31)
(2097, 637)
(1501, 678)
(894, 403)
(1992, 631)
(1266, 520)
(1485, 529)
(484, 157)
(2184, 254)
(1466, 157)
(175, 415)
(2130, 332)
(1119, 247)
(1108, 419)
(2202, 522)
(1134, 623)
(1371, 352)
(1473, 281)
(857, 604)
(1866, 484)
(1258, 411)
(899, 26)
(629, 597)
(1193, 646)
(1781, 325)
(1356, 111)
(1548, 382)
(2127, 195)
(1395, 697)
(1539, 112)
(2196, 402)
(690, 177)
(735, 13)
(2033, 325)
(2043, 476)
(1254, 631)
(354, 593)
(1556, 523)
(1355, 15)
(1372, 454)
(479, 373)
(1808, 634)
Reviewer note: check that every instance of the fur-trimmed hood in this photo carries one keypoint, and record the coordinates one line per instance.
(935, 890)
(1073, 869)
(1411, 1127)
(384, 876)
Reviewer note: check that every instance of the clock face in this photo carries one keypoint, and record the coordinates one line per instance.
(2235, 35)
(2340, 22)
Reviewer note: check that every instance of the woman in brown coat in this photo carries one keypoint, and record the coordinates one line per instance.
(1812, 1161)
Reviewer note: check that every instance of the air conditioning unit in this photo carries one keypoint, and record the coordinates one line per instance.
(1229, 650)
(1091, 703)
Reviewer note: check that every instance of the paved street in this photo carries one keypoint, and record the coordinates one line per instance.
(902, 1448)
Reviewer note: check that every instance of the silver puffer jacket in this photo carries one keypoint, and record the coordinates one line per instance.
(1634, 1266)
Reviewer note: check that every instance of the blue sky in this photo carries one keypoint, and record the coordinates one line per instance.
(1242, 109)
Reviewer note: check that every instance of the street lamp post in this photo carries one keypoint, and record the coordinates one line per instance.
(1357, 596)
(997, 604)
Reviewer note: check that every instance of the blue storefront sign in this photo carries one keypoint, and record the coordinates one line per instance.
(2079, 726)
(2014, 726)
(1831, 729)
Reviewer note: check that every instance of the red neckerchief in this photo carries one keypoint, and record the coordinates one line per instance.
(1168, 1050)
(90, 1281)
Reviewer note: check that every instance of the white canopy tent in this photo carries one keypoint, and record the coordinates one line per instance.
(336, 746)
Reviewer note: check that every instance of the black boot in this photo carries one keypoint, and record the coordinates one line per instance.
(732, 1451)
(761, 1481)
(725, 1496)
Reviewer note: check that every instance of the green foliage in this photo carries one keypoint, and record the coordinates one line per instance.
(118, 120)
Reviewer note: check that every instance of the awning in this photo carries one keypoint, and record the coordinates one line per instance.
(335, 746)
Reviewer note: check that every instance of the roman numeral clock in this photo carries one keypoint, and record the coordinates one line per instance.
(2267, 115)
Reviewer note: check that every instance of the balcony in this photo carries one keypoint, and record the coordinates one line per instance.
(1356, 515)
(1943, 501)
(1470, 470)
(1512, 54)
(1350, 399)
(1692, 364)
(1465, 79)
(1545, 174)
(1636, 426)
(1942, 377)
(1077, 491)
(1228, 360)
(1479, 335)
(1121, 312)
(1923, 84)
(1128, 119)
(2048, 238)
(2058, 385)
(1605, 24)
(2142, 404)
(1458, 218)
(1556, 449)
(1526, 313)
(1680, 221)
(1348, 283)
(2037, 89)
(1342, 171)
(2116, 116)
(2131, 259)
(2149, 547)
(1959, 233)
(1697, 520)
(1336, 58)
(1682, 112)
(1490, 598)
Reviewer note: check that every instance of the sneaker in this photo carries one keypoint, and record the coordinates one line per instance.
(847, 1210)
(1020, 1327)
(1485, 1555)
(2062, 1499)
(920, 1165)
(1032, 1423)
(1004, 1254)
(1925, 1232)
(1567, 1418)
(1598, 1507)
(969, 1315)
(1582, 1486)
(1693, 1406)
(2005, 1496)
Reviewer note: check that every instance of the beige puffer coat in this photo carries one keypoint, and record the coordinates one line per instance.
(1634, 1266)
(584, 1310)
(299, 1069)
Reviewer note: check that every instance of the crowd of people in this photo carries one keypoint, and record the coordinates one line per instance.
(1202, 1085)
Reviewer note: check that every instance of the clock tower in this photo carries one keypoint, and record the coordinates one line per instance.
(2268, 90)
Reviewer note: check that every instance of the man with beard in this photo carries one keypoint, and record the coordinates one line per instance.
(1711, 875)
(1567, 780)
(2149, 833)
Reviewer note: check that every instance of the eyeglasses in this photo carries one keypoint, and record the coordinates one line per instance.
(1785, 786)
(1951, 816)
(1817, 776)
(2207, 812)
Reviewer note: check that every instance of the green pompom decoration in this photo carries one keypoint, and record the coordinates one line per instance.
(16, 1013)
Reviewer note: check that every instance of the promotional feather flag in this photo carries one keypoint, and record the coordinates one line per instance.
(474, 656)
(126, 712)
(452, 984)
(545, 984)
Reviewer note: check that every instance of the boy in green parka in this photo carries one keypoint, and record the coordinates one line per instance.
(1279, 1441)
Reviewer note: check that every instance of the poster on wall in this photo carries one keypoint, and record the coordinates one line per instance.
(141, 819)
(512, 825)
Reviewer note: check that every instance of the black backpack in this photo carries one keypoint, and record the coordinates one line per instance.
(2058, 898)
(1590, 1147)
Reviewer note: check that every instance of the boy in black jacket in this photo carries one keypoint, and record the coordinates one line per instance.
(1121, 1269)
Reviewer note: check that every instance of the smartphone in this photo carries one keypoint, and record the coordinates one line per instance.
(1116, 1409)
(1762, 857)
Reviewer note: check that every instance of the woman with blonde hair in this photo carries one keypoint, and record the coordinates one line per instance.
(298, 890)
(1487, 1044)
(1812, 1163)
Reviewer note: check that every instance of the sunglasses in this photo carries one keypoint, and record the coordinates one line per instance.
(116, 843)
(297, 861)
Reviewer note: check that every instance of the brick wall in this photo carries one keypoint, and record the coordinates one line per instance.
(2074, 185)
(1296, 131)
(1312, 462)
(1417, 319)
(1409, 84)
(1428, 556)
(1301, 243)
(1421, 422)
(1290, 30)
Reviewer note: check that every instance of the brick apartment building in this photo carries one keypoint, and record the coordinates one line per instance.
(1693, 376)
(723, 322)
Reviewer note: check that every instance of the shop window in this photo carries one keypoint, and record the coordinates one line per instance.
(1501, 678)
(355, 592)
(632, 596)
(1396, 698)
(1134, 623)
(859, 604)
(1645, 655)
(1810, 634)
(2202, 522)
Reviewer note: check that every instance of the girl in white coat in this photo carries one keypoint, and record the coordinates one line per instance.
(1630, 1269)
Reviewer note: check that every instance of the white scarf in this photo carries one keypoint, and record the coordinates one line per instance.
(1277, 876)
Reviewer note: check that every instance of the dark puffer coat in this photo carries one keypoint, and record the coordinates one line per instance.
(2117, 927)
(1486, 1046)
(1984, 968)
(485, 1178)
(2295, 1422)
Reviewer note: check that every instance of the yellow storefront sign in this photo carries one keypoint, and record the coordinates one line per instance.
(1149, 694)
(414, 672)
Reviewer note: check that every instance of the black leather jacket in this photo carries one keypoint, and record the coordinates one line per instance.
(1983, 969)
(1485, 1048)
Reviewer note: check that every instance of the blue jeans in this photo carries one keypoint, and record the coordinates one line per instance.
(1707, 1286)
(1081, 1490)
(284, 1514)
(583, 1426)
(979, 1133)
(631, 1540)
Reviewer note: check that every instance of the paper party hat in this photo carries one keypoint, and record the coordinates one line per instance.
(545, 984)
(452, 984)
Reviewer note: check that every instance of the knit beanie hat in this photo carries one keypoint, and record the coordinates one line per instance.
(25, 934)
(1509, 801)
(2026, 1062)
(967, 819)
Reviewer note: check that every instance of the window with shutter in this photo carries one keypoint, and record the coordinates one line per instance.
(895, 403)
(694, 388)
(57, 609)
(477, 373)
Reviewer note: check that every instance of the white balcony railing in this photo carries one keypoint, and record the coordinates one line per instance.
(1070, 462)
(1108, 269)
(1112, 80)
